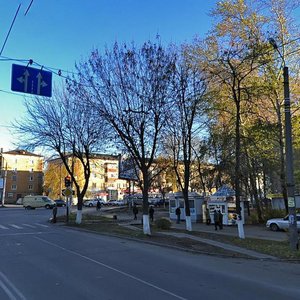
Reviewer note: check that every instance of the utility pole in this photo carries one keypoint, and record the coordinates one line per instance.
(289, 167)
(289, 163)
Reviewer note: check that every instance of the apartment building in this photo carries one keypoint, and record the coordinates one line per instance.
(104, 181)
(21, 173)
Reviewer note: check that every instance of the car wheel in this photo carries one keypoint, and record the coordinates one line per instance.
(90, 205)
(47, 206)
(274, 227)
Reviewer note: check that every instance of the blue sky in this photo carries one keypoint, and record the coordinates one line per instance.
(57, 33)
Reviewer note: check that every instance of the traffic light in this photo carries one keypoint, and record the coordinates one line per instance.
(67, 181)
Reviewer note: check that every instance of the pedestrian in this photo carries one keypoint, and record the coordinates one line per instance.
(216, 219)
(208, 219)
(178, 212)
(220, 220)
(54, 213)
(151, 213)
(98, 205)
(135, 211)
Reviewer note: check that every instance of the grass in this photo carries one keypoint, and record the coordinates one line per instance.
(104, 225)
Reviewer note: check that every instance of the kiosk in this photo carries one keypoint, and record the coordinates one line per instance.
(195, 201)
(223, 200)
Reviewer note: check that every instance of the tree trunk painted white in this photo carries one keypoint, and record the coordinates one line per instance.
(188, 223)
(146, 225)
(78, 217)
(240, 229)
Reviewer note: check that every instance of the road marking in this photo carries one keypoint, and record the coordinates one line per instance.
(27, 225)
(3, 227)
(22, 233)
(112, 268)
(39, 224)
(16, 226)
(10, 289)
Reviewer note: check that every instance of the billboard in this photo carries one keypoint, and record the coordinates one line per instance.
(128, 170)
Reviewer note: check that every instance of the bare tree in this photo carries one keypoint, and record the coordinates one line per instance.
(187, 119)
(67, 126)
(130, 89)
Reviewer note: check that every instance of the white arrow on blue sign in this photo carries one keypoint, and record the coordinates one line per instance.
(30, 80)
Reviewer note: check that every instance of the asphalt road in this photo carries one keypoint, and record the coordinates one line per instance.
(39, 260)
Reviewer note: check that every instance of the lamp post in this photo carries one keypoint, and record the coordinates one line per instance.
(289, 168)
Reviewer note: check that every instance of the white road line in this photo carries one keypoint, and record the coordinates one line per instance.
(21, 233)
(42, 225)
(10, 289)
(27, 225)
(16, 226)
(3, 227)
(112, 268)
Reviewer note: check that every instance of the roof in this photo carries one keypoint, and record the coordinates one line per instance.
(21, 152)
(224, 191)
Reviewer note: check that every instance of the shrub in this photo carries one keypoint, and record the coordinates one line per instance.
(163, 223)
(274, 213)
(253, 219)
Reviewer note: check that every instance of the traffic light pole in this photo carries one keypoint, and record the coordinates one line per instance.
(68, 185)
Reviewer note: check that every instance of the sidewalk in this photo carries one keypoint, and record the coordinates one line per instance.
(126, 219)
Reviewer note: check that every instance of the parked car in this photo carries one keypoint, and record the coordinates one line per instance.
(120, 202)
(92, 202)
(60, 202)
(32, 202)
(156, 202)
(281, 223)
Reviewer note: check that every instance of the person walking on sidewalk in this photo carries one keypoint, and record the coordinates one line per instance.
(178, 212)
(151, 213)
(135, 211)
(98, 206)
(54, 213)
(220, 220)
(216, 219)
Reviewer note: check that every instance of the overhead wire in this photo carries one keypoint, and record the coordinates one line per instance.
(59, 72)
(28, 8)
(11, 26)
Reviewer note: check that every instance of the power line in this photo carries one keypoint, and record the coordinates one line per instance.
(11, 26)
(11, 93)
(28, 8)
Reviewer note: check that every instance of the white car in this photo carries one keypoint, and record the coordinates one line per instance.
(92, 202)
(281, 223)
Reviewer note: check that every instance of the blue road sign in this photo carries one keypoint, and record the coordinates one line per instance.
(31, 81)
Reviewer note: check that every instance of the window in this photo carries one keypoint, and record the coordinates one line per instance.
(13, 186)
(14, 178)
(31, 170)
(31, 178)
(30, 187)
(94, 185)
(10, 195)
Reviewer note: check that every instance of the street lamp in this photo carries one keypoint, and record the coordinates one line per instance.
(289, 168)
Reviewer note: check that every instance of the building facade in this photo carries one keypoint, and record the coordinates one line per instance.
(22, 174)
(104, 180)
